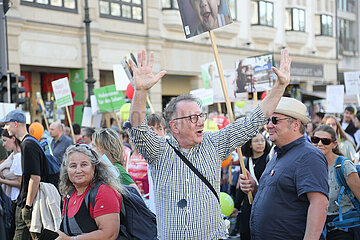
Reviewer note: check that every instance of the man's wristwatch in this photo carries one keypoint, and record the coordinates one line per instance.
(28, 207)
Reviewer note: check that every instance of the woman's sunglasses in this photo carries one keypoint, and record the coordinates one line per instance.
(325, 141)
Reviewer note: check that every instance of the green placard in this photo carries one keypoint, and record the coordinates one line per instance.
(77, 90)
(108, 98)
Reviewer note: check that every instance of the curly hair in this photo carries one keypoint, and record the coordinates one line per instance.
(103, 172)
(109, 142)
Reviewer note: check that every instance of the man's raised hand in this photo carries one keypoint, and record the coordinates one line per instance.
(283, 73)
(143, 76)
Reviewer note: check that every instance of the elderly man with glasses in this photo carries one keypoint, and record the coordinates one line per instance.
(186, 206)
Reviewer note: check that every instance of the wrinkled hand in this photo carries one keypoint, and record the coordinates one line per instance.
(283, 73)
(143, 76)
(247, 183)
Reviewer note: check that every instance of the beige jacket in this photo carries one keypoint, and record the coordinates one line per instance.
(46, 211)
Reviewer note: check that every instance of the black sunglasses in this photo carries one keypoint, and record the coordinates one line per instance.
(194, 118)
(325, 141)
(275, 120)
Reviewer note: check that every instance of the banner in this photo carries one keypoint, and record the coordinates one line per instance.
(77, 92)
(121, 77)
(62, 92)
(108, 98)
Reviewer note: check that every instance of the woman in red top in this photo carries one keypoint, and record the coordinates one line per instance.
(80, 171)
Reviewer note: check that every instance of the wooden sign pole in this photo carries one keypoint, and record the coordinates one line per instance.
(70, 123)
(117, 120)
(255, 97)
(228, 106)
(150, 105)
(219, 108)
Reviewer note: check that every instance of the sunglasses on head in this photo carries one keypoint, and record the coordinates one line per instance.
(275, 120)
(325, 141)
(87, 147)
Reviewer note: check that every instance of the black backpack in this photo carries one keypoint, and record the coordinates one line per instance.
(136, 219)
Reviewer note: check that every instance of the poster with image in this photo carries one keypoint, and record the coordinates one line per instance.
(230, 81)
(208, 72)
(198, 17)
(254, 74)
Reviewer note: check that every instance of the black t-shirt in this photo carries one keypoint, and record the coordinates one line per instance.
(33, 162)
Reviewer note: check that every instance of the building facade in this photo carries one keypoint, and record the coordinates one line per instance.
(46, 39)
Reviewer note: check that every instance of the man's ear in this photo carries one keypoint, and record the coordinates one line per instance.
(174, 127)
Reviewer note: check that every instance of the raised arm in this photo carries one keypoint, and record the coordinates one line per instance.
(144, 81)
(270, 102)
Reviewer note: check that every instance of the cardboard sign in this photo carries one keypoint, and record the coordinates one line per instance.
(62, 92)
(205, 95)
(89, 119)
(254, 74)
(108, 98)
(198, 18)
(352, 83)
(334, 98)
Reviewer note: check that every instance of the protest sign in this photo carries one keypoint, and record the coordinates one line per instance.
(208, 73)
(121, 77)
(254, 74)
(230, 80)
(334, 98)
(94, 105)
(197, 19)
(205, 95)
(77, 90)
(352, 82)
(5, 108)
(108, 98)
(62, 92)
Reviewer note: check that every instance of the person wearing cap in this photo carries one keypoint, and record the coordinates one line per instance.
(187, 208)
(292, 196)
(35, 170)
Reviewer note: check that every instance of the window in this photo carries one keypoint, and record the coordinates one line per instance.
(324, 25)
(122, 9)
(347, 5)
(169, 4)
(263, 13)
(295, 19)
(347, 36)
(63, 5)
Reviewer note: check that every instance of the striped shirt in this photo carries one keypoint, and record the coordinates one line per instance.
(200, 217)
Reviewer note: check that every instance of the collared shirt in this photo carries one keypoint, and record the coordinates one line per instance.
(280, 206)
(186, 208)
(59, 147)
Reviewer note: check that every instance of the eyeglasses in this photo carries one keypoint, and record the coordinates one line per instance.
(275, 120)
(325, 141)
(194, 118)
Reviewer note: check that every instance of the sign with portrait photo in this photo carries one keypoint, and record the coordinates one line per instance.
(254, 74)
(198, 17)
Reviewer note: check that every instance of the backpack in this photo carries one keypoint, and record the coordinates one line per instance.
(136, 220)
(350, 219)
(53, 163)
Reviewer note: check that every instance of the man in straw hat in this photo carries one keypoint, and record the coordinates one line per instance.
(292, 197)
(186, 207)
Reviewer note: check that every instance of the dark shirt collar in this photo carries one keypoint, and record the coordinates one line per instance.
(282, 150)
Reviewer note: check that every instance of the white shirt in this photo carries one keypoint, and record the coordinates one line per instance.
(17, 170)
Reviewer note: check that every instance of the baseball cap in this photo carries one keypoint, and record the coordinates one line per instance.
(14, 116)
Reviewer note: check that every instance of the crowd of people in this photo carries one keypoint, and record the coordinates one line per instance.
(175, 166)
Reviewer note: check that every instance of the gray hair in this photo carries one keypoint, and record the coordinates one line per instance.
(170, 108)
(103, 172)
(88, 132)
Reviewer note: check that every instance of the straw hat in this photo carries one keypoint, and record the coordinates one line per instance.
(293, 108)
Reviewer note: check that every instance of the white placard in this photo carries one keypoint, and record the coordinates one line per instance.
(62, 92)
(5, 108)
(334, 98)
(120, 77)
(352, 83)
(230, 77)
(94, 105)
(205, 95)
(88, 116)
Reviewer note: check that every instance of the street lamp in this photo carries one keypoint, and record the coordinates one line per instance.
(90, 77)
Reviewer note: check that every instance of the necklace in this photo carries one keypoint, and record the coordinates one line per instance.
(76, 196)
